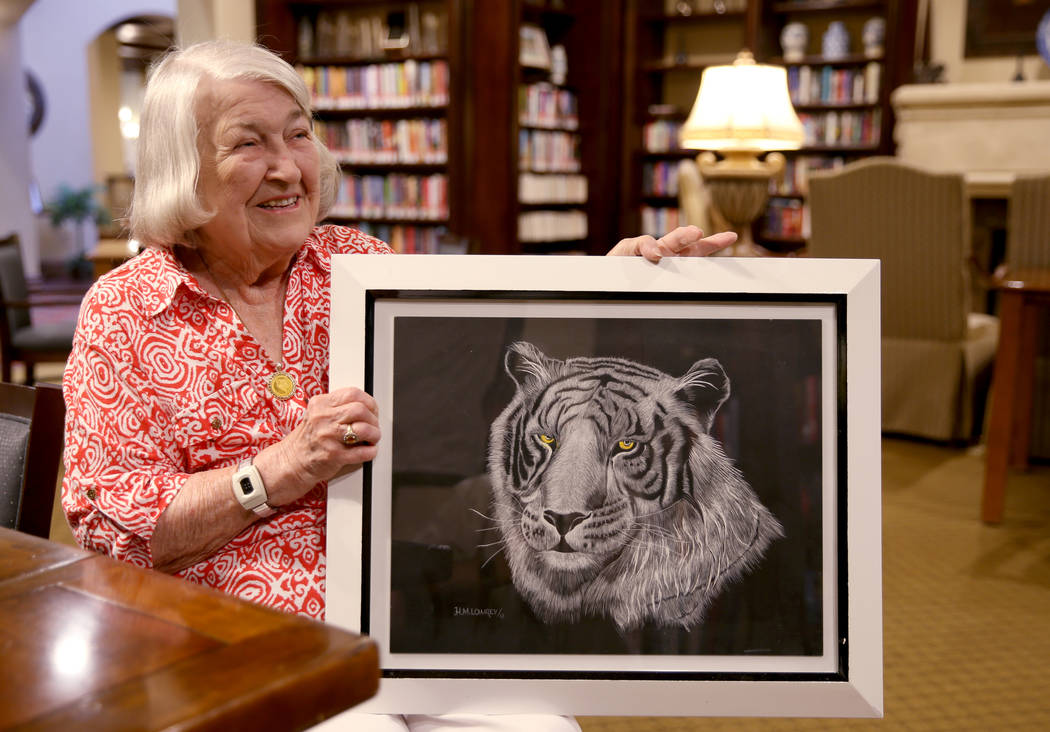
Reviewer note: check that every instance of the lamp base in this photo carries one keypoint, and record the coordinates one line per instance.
(739, 187)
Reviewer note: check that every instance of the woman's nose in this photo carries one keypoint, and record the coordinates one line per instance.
(283, 165)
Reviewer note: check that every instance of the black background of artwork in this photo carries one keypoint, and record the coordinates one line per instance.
(449, 384)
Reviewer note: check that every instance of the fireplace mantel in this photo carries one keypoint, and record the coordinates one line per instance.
(974, 127)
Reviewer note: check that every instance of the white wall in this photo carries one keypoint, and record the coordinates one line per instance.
(15, 214)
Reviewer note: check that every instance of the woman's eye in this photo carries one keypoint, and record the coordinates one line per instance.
(626, 445)
(547, 440)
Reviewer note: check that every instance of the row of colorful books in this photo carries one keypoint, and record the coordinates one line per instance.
(829, 85)
(534, 188)
(795, 180)
(660, 179)
(355, 34)
(393, 196)
(658, 220)
(369, 140)
(378, 86)
(787, 218)
(542, 226)
(544, 151)
(661, 135)
(842, 129)
(407, 239)
(544, 105)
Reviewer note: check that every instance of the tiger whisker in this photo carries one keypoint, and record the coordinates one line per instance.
(476, 512)
(493, 556)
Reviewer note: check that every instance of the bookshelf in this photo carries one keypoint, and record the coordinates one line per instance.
(460, 132)
(541, 149)
(382, 78)
(843, 102)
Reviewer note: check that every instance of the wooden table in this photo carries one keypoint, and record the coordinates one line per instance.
(1021, 293)
(89, 643)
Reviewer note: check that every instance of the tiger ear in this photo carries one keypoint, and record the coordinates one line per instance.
(524, 361)
(706, 387)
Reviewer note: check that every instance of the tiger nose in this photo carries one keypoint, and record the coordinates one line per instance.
(563, 522)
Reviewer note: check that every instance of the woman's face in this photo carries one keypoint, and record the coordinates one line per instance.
(259, 171)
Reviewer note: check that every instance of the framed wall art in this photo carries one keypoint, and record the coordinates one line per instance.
(613, 487)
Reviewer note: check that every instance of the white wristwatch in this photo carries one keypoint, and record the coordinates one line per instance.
(249, 489)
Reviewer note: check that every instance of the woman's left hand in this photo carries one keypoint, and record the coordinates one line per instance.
(685, 241)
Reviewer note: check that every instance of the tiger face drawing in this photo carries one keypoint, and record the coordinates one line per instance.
(612, 498)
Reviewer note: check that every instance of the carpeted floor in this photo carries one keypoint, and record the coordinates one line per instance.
(966, 606)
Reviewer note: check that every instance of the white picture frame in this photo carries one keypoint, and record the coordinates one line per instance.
(387, 311)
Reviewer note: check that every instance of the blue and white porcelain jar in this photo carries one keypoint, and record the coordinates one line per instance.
(793, 40)
(835, 41)
(873, 36)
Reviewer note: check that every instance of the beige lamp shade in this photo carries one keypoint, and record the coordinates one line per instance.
(744, 106)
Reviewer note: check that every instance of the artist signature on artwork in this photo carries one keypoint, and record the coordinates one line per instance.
(486, 612)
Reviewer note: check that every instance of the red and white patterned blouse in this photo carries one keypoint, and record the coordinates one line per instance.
(164, 381)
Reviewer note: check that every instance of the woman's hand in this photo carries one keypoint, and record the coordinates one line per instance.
(312, 452)
(315, 450)
(685, 241)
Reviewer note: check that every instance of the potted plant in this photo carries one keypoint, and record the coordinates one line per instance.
(77, 205)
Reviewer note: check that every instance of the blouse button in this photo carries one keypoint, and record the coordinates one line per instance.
(91, 494)
(216, 423)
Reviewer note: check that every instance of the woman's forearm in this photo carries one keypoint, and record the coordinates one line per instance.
(202, 519)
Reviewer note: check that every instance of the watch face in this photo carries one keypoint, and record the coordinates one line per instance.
(1042, 37)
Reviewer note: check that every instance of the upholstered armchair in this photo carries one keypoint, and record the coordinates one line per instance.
(936, 353)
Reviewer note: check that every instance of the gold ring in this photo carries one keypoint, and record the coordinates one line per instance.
(350, 437)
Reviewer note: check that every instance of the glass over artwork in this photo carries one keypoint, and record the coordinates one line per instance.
(607, 485)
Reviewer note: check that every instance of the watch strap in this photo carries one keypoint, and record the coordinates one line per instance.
(249, 489)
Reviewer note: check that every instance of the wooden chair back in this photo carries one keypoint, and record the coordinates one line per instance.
(31, 438)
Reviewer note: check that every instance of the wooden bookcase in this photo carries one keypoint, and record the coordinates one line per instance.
(385, 80)
(666, 52)
(484, 116)
(499, 123)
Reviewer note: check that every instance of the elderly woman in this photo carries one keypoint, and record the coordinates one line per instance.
(200, 431)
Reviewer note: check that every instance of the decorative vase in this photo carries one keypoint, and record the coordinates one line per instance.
(873, 35)
(836, 41)
(793, 40)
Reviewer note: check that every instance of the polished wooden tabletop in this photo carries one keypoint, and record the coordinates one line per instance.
(1028, 279)
(89, 643)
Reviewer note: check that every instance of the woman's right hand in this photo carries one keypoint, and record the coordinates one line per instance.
(314, 451)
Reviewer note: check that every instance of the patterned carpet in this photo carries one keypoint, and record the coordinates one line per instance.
(966, 606)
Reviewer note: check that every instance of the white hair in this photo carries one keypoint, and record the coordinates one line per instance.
(166, 209)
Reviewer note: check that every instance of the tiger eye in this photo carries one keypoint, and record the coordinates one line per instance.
(546, 439)
(626, 444)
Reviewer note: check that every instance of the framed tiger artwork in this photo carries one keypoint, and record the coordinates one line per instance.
(612, 487)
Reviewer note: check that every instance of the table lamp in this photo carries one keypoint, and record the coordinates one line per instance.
(741, 111)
